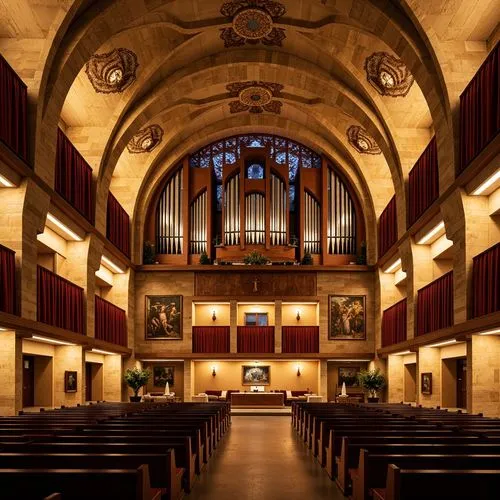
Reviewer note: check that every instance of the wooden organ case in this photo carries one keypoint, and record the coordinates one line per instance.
(255, 192)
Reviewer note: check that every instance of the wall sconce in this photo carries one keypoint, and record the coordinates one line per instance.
(298, 315)
(214, 317)
(298, 371)
(214, 373)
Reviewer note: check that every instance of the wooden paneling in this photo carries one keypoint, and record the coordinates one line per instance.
(258, 284)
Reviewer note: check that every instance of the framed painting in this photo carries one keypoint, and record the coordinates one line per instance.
(256, 375)
(162, 375)
(426, 383)
(70, 381)
(163, 317)
(349, 375)
(346, 317)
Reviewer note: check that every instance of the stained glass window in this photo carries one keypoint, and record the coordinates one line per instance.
(255, 171)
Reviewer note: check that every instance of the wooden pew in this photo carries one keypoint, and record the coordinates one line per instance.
(413, 484)
(372, 469)
(80, 484)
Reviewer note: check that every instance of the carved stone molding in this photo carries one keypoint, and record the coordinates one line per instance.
(113, 71)
(388, 75)
(253, 22)
(362, 141)
(255, 97)
(145, 140)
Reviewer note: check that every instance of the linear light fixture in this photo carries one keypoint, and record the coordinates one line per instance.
(160, 360)
(339, 360)
(3, 329)
(100, 351)
(435, 230)
(441, 344)
(496, 331)
(487, 183)
(393, 266)
(65, 229)
(5, 182)
(111, 265)
(38, 338)
(402, 353)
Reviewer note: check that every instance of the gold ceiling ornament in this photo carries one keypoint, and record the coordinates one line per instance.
(253, 22)
(255, 97)
(362, 141)
(388, 75)
(113, 71)
(145, 140)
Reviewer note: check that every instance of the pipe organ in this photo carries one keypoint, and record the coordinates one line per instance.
(232, 211)
(341, 217)
(198, 224)
(278, 219)
(255, 219)
(256, 192)
(312, 224)
(169, 228)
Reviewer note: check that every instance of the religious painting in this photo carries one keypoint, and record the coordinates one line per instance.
(70, 381)
(256, 375)
(426, 383)
(349, 375)
(346, 317)
(162, 375)
(163, 317)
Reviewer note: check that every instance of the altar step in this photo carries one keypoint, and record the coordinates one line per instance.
(264, 411)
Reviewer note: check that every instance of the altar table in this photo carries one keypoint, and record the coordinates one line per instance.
(257, 399)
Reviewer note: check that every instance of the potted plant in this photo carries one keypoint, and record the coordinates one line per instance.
(148, 254)
(255, 259)
(204, 260)
(135, 379)
(372, 381)
(307, 260)
(361, 257)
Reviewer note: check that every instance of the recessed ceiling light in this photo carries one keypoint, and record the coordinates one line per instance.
(100, 351)
(487, 183)
(441, 344)
(433, 232)
(402, 353)
(393, 266)
(5, 182)
(496, 331)
(38, 338)
(65, 229)
(111, 265)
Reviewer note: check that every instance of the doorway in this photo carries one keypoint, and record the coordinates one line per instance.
(462, 383)
(28, 381)
(410, 381)
(93, 381)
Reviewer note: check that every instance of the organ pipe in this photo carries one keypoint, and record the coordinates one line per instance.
(232, 211)
(312, 225)
(169, 224)
(198, 214)
(341, 230)
(278, 221)
(255, 219)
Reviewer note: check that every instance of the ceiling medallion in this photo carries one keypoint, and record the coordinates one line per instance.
(388, 75)
(255, 97)
(145, 140)
(253, 22)
(362, 141)
(112, 72)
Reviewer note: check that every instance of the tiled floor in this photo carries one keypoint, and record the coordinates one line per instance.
(260, 458)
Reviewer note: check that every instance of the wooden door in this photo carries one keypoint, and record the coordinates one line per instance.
(28, 381)
(462, 383)
(88, 381)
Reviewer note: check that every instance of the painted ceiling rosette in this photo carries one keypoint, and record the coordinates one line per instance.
(145, 140)
(362, 141)
(113, 71)
(388, 75)
(253, 22)
(255, 97)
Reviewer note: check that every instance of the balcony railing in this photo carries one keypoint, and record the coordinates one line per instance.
(387, 228)
(300, 339)
(7, 280)
(394, 324)
(110, 323)
(118, 225)
(256, 339)
(211, 339)
(486, 282)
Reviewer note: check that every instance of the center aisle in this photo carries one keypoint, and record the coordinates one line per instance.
(261, 458)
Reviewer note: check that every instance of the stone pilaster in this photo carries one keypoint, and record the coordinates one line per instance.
(68, 358)
(233, 322)
(277, 326)
(11, 374)
(323, 379)
(112, 377)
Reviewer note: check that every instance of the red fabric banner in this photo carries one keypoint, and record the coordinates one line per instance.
(257, 339)
(387, 228)
(7, 280)
(394, 324)
(423, 183)
(14, 110)
(300, 339)
(118, 225)
(435, 305)
(480, 109)
(60, 302)
(110, 322)
(486, 282)
(211, 339)
(73, 180)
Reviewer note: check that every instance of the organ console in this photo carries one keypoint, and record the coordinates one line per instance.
(256, 192)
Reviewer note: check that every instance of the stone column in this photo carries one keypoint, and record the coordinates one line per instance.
(233, 322)
(323, 379)
(277, 325)
(395, 379)
(68, 358)
(11, 374)
(112, 377)
(188, 380)
(429, 361)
